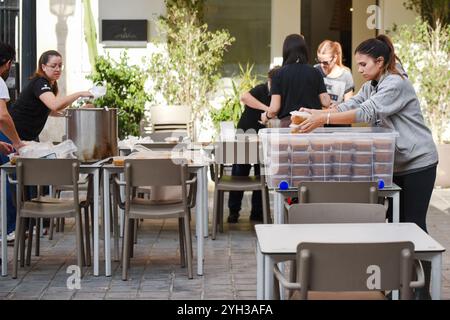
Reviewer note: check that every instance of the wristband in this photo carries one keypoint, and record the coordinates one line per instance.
(328, 118)
(267, 116)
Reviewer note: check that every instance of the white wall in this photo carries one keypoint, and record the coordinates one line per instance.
(285, 20)
(394, 12)
(50, 35)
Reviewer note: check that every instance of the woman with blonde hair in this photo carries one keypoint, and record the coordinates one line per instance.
(338, 78)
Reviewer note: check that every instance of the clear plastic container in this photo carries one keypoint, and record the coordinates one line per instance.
(319, 157)
(322, 169)
(297, 180)
(342, 169)
(280, 157)
(275, 181)
(365, 170)
(363, 157)
(301, 170)
(300, 158)
(343, 178)
(343, 157)
(357, 154)
(386, 178)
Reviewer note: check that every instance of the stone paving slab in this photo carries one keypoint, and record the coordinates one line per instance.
(155, 272)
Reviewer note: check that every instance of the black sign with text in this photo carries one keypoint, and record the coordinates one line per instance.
(124, 30)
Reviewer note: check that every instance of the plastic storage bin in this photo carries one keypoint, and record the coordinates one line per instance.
(328, 154)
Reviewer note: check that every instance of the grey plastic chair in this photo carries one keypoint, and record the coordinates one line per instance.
(357, 271)
(338, 192)
(46, 172)
(236, 152)
(156, 172)
(318, 213)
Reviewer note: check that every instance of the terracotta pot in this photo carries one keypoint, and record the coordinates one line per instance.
(443, 171)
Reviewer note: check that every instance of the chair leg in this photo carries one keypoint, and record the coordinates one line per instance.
(132, 226)
(17, 242)
(135, 232)
(264, 205)
(182, 242)
(30, 241)
(188, 236)
(87, 235)
(22, 242)
(126, 250)
(79, 236)
(58, 228)
(38, 238)
(63, 223)
(116, 229)
(52, 227)
(215, 214)
(83, 258)
(221, 204)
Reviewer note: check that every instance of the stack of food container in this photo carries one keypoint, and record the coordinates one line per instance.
(328, 154)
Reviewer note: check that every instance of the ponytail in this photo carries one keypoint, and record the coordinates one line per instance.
(381, 46)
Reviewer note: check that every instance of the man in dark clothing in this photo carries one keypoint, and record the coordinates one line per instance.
(257, 101)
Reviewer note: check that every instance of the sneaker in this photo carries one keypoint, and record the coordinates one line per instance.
(233, 217)
(10, 237)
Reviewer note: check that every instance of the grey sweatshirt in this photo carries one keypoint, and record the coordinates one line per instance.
(392, 103)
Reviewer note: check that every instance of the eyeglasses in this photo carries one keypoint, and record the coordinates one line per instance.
(325, 63)
(55, 66)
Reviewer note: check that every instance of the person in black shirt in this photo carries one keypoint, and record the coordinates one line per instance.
(39, 98)
(37, 101)
(296, 84)
(256, 102)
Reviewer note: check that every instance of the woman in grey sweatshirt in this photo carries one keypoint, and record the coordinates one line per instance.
(388, 100)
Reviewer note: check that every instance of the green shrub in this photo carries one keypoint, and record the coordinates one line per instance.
(425, 54)
(126, 91)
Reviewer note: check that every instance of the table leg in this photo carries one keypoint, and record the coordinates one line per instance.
(436, 274)
(396, 207)
(96, 222)
(199, 227)
(106, 221)
(278, 214)
(205, 203)
(259, 273)
(269, 263)
(4, 224)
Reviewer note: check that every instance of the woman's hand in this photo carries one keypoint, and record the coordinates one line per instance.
(264, 118)
(6, 148)
(19, 146)
(318, 119)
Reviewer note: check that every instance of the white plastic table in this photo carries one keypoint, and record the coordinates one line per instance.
(278, 242)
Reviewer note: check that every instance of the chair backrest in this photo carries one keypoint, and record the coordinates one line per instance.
(237, 152)
(155, 172)
(318, 213)
(338, 192)
(355, 267)
(47, 172)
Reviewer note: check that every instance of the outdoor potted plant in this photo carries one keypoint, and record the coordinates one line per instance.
(425, 54)
(186, 67)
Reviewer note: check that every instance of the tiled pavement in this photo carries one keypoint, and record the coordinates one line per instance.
(230, 264)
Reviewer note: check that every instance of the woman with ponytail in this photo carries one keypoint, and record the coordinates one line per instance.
(388, 100)
(338, 78)
(297, 84)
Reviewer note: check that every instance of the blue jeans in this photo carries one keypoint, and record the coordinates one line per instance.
(235, 200)
(10, 208)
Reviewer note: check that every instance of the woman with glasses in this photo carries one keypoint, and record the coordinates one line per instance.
(40, 98)
(296, 84)
(338, 78)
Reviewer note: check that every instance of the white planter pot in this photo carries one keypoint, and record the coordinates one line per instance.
(443, 172)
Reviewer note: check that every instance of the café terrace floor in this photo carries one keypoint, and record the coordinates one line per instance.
(229, 274)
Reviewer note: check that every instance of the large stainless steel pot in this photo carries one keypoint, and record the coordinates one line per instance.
(94, 132)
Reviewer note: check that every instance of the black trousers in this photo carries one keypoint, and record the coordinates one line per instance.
(415, 196)
(235, 199)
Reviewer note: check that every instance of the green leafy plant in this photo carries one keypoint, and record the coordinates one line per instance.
(431, 11)
(425, 54)
(188, 67)
(125, 91)
(232, 107)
